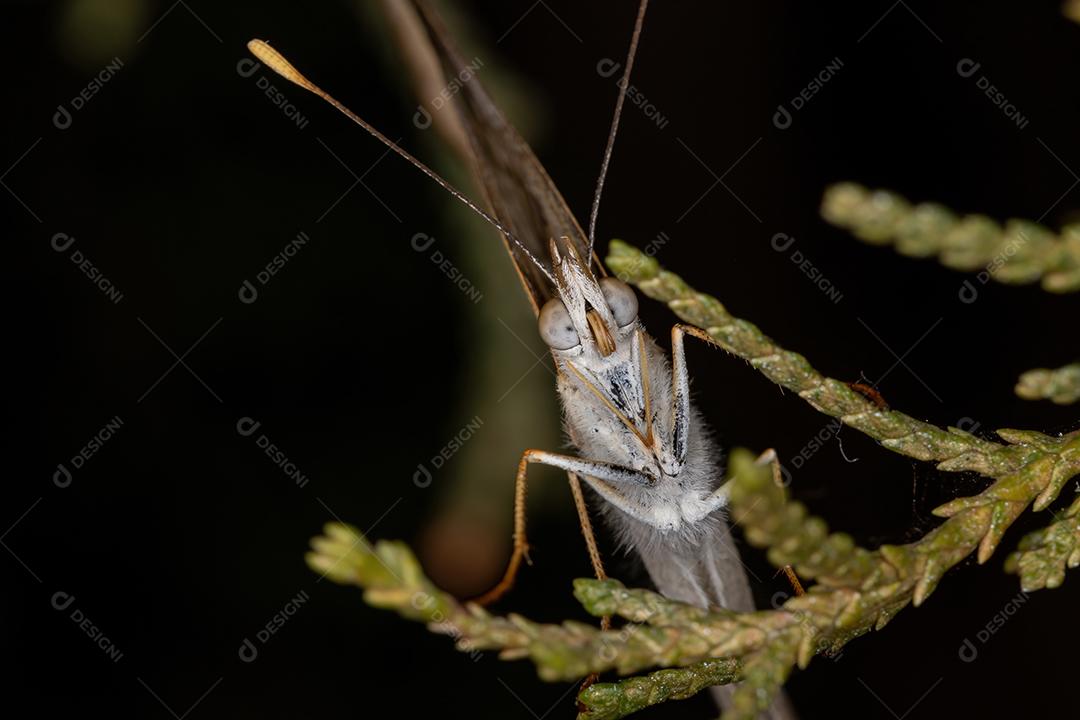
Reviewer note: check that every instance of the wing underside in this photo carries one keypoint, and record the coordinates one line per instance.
(515, 186)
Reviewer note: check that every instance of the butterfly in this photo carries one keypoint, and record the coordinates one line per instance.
(643, 448)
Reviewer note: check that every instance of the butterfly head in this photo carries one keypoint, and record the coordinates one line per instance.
(588, 316)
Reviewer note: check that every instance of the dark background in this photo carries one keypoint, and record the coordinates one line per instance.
(179, 539)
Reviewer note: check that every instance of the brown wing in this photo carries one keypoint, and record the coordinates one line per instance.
(516, 188)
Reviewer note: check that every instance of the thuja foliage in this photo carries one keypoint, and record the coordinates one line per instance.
(1044, 555)
(1019, 252)
(1061, 385)
(673, 650)
(1029, 468)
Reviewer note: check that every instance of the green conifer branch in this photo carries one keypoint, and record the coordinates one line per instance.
(1018, 253)
(669, 634)
(953, 449)
(1044, 555)
(1030, 468)
(857, 590)
(1061, 385)
(698, 648)
(690, 640)
(610, 701)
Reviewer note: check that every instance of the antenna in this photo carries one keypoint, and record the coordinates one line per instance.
(277, 62)
(623, 83)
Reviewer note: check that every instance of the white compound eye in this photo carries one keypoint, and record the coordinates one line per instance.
(621, 299)
(555, 326)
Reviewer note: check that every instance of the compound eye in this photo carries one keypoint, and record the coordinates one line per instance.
(621, 299)
(555, 326)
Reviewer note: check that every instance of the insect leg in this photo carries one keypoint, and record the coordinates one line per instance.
(603, 477)
(594, 557)
(586, 527)
(680, 381)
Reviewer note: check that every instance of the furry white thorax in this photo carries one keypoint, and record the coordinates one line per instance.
(674, 509)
